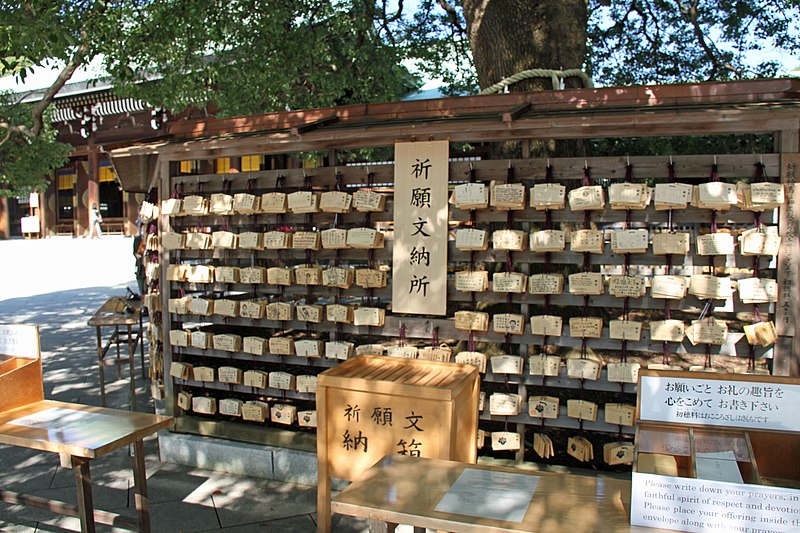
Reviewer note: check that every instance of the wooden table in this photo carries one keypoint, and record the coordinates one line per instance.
(80, 433)
(406, 490)
(119, 312)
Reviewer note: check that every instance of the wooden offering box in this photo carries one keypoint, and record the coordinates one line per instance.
(20, 366)
(717, 452)
(371, 406)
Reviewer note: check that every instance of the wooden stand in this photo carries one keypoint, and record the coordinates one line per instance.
(119, 312)
(78, 433)
(371, 406)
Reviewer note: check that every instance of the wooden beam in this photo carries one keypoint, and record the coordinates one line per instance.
(574, 125)
(67, 509)
(514, 113)
(311, 126)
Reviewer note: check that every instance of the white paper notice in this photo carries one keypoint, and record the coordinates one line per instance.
(19, 341)
(718, 466)
(489, 494)
(700, 505)
(683, 400)
(68, 426)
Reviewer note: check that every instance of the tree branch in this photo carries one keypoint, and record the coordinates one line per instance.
(450, 10)
(691, 13)
(386, 19)
(37, 113)
(709, 48)
(397, 14)
(619, 26)
(7, 136)
(12, 128)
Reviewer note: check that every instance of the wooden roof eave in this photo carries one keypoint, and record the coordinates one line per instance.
(575, 123)
(639, 97)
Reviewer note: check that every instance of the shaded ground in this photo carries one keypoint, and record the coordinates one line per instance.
(58, 284)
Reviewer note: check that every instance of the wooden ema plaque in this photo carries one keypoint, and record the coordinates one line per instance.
(20, 366)
(371, 406)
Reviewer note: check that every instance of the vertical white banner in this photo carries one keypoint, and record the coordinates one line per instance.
(419, 269)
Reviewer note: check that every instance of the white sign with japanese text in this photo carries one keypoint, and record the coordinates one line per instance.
(419, 270)
(18, 340)
(744, 404)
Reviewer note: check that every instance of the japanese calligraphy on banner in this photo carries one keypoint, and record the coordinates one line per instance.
(419, 269)
(364, 427)
(760, 405)
(788, 287)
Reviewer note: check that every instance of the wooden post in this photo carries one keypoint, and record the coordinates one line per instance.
(80, 207)
(164, 169)
(83, 483)
(786, 360)
(5, 226)
(132, 366)
(49, 202)
(324, 521)
(100, 367)
(141, 501)
(131, 203)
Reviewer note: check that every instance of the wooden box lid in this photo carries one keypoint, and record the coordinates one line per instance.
(408, 377)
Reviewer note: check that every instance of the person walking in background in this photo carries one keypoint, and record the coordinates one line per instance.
(139, 249)
(95, 219)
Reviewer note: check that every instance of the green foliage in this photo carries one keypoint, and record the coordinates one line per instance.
(438, 46)
(695, 145)
(249, 56)
(25, 161)
(660, 41)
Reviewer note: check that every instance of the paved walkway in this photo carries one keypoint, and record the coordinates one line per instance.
(57, 284)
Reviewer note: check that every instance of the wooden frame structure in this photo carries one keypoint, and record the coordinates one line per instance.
(770, 106)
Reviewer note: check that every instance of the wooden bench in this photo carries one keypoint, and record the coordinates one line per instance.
(64, 228)
(113, 226)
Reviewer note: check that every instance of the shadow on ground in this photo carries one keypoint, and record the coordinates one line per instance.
(182, 499)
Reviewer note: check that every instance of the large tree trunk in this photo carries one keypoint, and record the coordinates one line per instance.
(509, 36)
